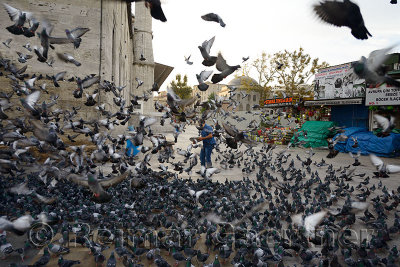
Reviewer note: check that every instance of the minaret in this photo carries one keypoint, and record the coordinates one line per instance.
(143, 45)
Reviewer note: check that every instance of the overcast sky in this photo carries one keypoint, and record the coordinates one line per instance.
(264, 25)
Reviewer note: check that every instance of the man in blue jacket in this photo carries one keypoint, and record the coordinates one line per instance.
(208, 144)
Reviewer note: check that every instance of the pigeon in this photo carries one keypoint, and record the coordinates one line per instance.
(373, 70)
(99, 195)
(356, 157)
(393, 2)
(90, 100)
(27, 46)
(224, 68)
(187, 59)
(214, 17)
(245, 59)
(279, 65)
(344, 13)
(201, 78)
(75, 34)
(22, 58)
(383, 168)
(19, 17)
(34, 25)
(205, 52)
(309, 222)
(67, 263)
(44, 35)
(68, 58)
(386, 124)
(7, 42)
(140, 82)
(44, 260)
(58, 77)
(142, 58)
(155, 9)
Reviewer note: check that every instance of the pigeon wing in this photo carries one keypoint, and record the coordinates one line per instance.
(382, 121)
(312, 221)
(393, 168)
(331, 12)
(208, 44)
(229, 130)
(205, 74)
(378, 57)
(78, 32)
(377, 162)
(32, 98)
(221, 63)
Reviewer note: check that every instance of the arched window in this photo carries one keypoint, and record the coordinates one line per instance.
(248, 107)
(241, 107)
(254, 98)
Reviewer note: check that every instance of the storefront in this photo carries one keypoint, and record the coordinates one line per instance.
(349, 112)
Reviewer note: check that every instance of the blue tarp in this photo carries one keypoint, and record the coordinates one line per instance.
(369, 143)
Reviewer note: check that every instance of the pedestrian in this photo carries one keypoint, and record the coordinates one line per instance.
(208, 144)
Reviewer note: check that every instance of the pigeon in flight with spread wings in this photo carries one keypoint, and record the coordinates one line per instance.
(224, 68)
(373, 70)
(383, 168)
(386, 124)
(205, 52)
(201, 78)
(344, 13)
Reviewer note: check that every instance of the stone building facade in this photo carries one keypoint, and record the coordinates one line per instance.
(111, 49)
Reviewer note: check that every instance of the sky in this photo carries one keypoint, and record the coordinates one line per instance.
(257, 26)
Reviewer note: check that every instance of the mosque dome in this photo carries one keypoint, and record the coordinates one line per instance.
(243, 81)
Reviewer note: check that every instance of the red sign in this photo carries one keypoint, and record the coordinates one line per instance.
(278, 101)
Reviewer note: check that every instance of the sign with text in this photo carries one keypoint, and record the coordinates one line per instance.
(334, 102)
(382, 96)
(277, 102)
(338, 82)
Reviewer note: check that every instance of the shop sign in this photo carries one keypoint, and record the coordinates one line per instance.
(334, 102)
(278, 102)
(383, 96)
(338, 82)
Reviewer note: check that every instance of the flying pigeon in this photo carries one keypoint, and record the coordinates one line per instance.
(68, 58)
(373, 70)
(201, 78)
(187, 59)
(344, 13)
(213, 17)
(245, 59)
(19, 17)
(386, 124)
(140, 82)
(75, 34)
(383, 168)
(22, 58)
(7, 42)
(205, 52)
(224, 68)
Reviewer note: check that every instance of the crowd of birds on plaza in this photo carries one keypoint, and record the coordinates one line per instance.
(149, 214)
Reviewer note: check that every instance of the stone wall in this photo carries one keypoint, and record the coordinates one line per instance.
(106, 50)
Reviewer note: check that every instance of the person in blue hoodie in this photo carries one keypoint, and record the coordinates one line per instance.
(208, 144)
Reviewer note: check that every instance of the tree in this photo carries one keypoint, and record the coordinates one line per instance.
(296, 71)
(265, 70)
(180, 87)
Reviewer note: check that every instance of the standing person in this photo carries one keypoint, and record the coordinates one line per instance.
(208, 144)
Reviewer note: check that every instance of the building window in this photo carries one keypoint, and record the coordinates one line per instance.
(248, 107)
(254, 97)
(248, 97)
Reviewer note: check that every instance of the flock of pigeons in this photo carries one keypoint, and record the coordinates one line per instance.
(142, 213)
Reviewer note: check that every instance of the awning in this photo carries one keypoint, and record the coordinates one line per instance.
(334, 102)
(161, 73)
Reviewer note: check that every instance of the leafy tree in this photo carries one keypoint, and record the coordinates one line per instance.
(181, 87)
(297, 70)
